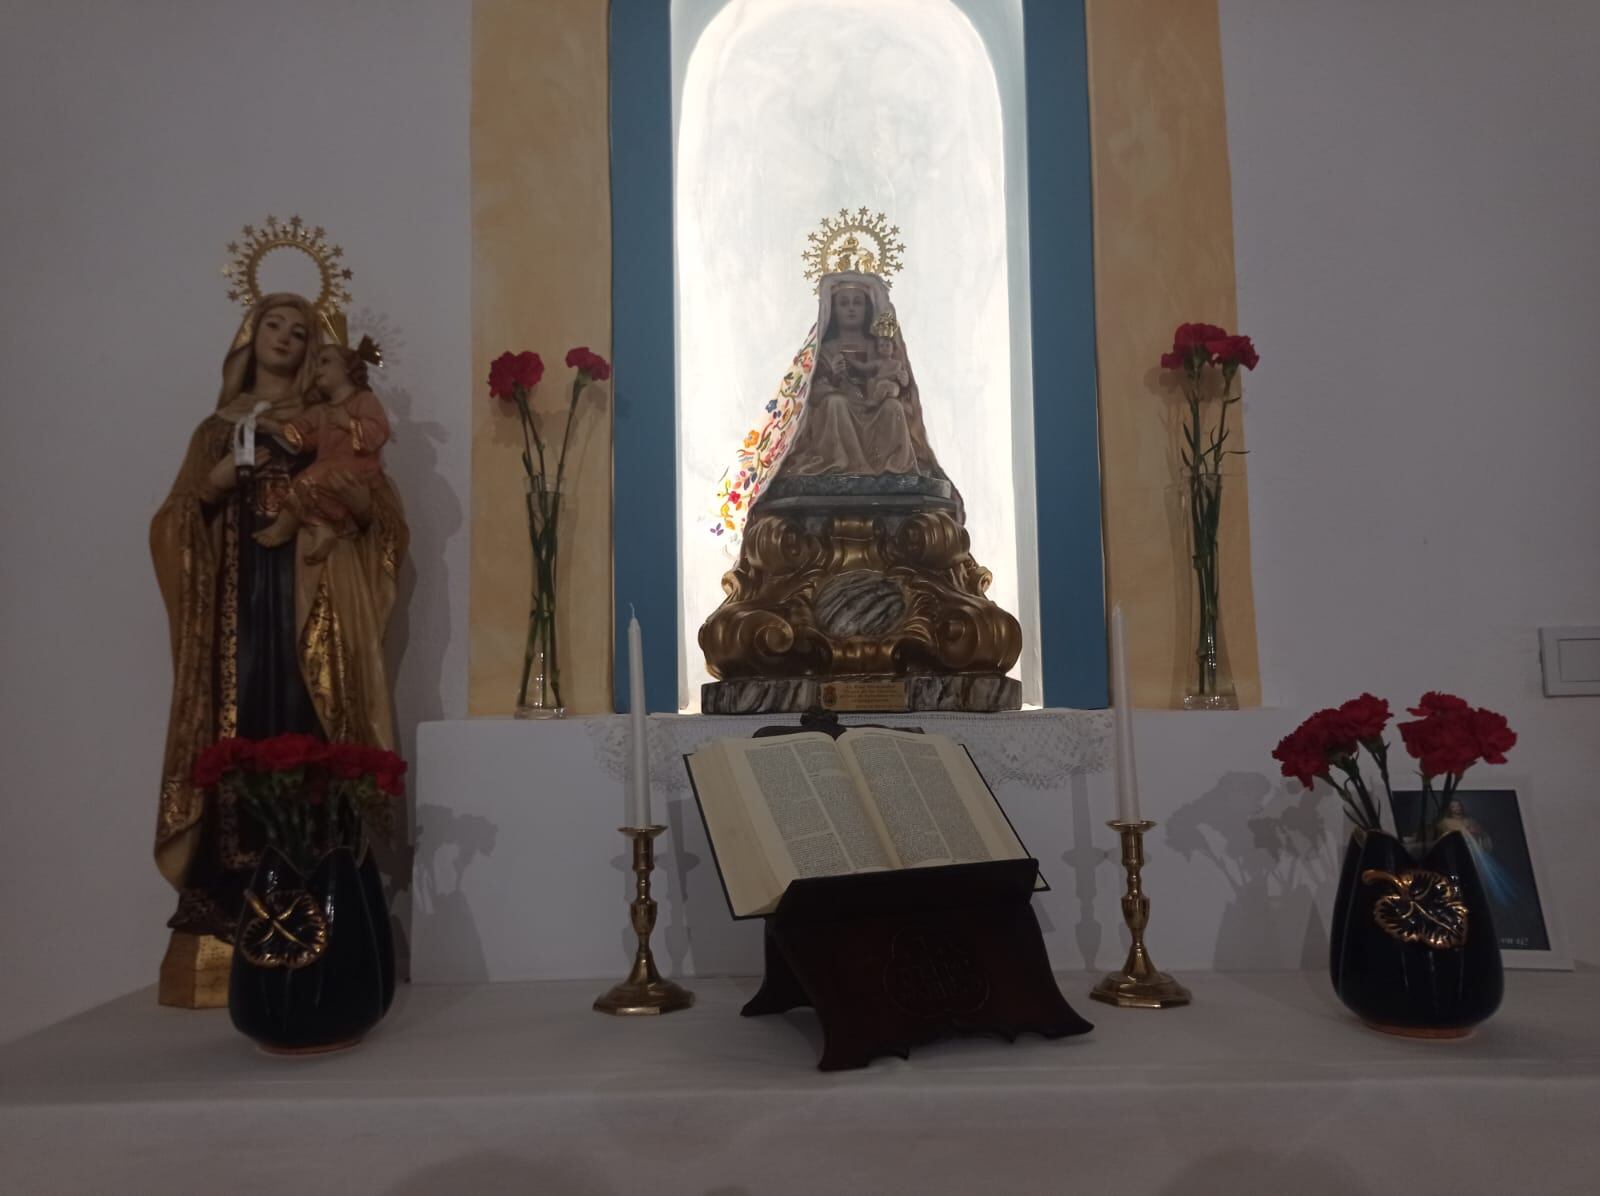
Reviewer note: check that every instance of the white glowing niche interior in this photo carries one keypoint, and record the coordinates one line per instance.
(787, 110)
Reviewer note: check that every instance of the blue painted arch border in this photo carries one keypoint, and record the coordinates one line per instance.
(1061, 266)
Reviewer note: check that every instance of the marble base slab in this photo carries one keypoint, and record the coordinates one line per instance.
(977, 692)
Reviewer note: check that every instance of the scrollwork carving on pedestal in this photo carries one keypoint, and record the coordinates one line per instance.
(859, 593)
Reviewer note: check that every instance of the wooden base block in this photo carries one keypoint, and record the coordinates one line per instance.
(194, 971)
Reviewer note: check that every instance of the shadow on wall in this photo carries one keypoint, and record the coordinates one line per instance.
(1280, 858)
(702, 938)
(447, 844)
(678, 938)
(414, 650)
(1084, 858)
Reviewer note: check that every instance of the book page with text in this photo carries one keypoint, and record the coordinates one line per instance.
(932, 801)
(749, 873)
(808, 813)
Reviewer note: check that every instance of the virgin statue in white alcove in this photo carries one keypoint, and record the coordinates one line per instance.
(847, 418)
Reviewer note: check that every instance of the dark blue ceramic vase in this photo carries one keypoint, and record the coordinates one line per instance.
(1413, 948)
(313, 960)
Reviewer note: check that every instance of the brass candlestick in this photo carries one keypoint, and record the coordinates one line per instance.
(1139, 985)
(644, 990)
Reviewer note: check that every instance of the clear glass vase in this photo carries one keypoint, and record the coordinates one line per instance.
(1209, 678)
(539, 693)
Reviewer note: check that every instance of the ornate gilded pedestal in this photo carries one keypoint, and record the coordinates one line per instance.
(858, 593)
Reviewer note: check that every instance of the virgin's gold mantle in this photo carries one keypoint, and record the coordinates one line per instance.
(864, 591)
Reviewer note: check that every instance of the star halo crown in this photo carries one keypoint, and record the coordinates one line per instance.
(244, 268)
(859, 240)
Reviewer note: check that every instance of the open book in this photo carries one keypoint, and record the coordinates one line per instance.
(791, 806)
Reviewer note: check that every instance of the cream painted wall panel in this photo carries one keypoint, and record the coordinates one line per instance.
(1163, 255)
(137, 139)
(541, 280)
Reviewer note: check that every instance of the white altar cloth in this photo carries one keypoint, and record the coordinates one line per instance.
(520, 874)
(1264, 1085)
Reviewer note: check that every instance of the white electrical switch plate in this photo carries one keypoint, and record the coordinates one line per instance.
(1571, 660)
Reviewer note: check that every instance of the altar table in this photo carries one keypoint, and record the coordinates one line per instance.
(1265, 1084)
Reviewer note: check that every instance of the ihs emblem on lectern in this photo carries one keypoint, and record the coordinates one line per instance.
(860, 241)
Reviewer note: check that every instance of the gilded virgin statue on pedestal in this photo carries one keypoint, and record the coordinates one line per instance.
(855, 586)
(267, 637)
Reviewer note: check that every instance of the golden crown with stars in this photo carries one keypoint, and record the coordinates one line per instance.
(856, 240)
(244, 269)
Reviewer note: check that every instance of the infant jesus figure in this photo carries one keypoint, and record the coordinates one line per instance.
(886, 373)
(347, 431)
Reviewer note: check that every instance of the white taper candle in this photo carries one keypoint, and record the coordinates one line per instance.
(639, 775)
(1127, 776)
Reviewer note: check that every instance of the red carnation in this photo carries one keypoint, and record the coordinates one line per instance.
(1434, 702)
(1493, 736)
(1196, 336)
(1233, 351)
(222, 757)
(294, 750)
(1366, 716)
(346, 761)
(510, 371)
(592, 364)
(1191, 346)
(388, 771)
(1443, 744)
(1330, 732)
(1301, 754)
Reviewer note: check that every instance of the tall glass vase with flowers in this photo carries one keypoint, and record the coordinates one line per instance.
(513, 378)
(1207, 360)
(1412, 948)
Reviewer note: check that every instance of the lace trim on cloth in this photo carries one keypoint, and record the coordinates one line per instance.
(1037, 749)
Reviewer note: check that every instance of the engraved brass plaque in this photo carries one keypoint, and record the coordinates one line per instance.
(865, 695)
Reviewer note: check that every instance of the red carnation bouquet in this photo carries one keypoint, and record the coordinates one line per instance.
(512, 378)
(308, 796)
(1446, 737)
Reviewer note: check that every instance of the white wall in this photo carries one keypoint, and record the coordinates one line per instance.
(137, 139)
(1415, 189)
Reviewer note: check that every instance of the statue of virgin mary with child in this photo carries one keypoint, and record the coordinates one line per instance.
(847, 418)
(854, 562)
